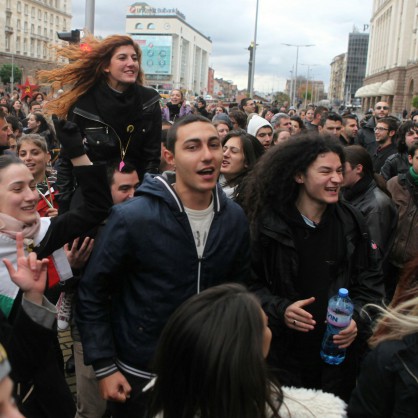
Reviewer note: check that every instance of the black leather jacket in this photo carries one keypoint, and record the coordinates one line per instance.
(395, 164)
(380, 214)
(103, 144)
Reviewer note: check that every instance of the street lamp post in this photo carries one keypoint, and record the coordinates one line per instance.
(251, 84)
(307, 81)
(297, 46)
(12, 78)
(89, 23)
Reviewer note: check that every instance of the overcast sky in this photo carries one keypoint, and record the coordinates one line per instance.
(230, 25)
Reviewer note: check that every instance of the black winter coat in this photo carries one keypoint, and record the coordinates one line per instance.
(388, 382)
(276, 261)
(103, 144)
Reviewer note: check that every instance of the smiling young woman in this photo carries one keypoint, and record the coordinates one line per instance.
(45, 236)
(104, 94)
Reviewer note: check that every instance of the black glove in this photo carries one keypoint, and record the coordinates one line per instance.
(69, 135)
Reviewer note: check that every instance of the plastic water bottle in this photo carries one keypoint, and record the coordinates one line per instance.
(340, 310)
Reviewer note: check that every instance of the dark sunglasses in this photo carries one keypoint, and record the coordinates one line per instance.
(382, 107)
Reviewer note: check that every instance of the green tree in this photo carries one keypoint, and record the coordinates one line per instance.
(415, 101)
(6, 73)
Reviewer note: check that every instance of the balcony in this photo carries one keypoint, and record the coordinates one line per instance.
(8, 29)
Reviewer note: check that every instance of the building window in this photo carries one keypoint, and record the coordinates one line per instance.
(51, 18)
(151, 26)
(32, 28)
(19, 7)
(139, 26)
(18, 25)
(25, 27)
(18, 44)
(32, 13)
(39, 14)
(26, 9)
(45, 17)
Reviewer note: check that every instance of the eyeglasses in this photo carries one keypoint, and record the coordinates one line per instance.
(382, 107)
(379, 128)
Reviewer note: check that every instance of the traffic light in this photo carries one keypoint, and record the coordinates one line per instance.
(72, 37)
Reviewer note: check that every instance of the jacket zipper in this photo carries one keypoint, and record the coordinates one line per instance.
(198, 275)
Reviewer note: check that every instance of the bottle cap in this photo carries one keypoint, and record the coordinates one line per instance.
(343, 293)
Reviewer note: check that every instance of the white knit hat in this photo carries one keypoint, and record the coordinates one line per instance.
(256, 123)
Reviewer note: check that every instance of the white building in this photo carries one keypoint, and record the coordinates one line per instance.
(174, 54)
(392, 62)
(28, 27)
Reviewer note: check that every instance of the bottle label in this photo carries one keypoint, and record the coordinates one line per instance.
(338, 320)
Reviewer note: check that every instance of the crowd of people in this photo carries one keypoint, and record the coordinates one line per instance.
(192, 250)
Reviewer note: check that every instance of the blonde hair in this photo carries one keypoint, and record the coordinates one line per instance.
(85, 69)
(401, 317)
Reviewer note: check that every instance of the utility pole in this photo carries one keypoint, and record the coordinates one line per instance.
(252, 57)
(89, 23)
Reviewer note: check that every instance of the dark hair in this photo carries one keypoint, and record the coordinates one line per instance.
(320, 110)
(348, 116)
(6, 106)
(403, 129)
(186, 120)
(391, 122)
(271, 185)
(7, 160)
(15, 122)
(252, 150)
(297, 119)
(43, 123)
(128, 168)
(32, 103)
(273, 110)
(209, 359)
(330, 116)
(413, 148)
(356, 154)
(240, 117)
(2, 114)
(244, 102)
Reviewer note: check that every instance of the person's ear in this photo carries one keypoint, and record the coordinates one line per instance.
(359, 169)
(299, 178)
(169, 156)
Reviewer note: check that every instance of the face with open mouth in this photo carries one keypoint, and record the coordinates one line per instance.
(322, 181)
(233, 162)
(197, 158)
(34, 158)
(18, 194)
(123, 68)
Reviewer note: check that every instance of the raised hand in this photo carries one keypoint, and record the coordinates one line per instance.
(77, 257)
(30, 274)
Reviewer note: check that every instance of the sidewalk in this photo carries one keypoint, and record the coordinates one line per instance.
(66, 342)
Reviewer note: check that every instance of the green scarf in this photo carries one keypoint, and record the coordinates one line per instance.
(414, 175)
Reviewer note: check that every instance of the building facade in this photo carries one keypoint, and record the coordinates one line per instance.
(358, 44)
(392, 62)
(29, 27)
(337, 79)
(174, 54)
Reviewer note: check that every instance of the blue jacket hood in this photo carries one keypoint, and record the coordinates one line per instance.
(160, 186)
